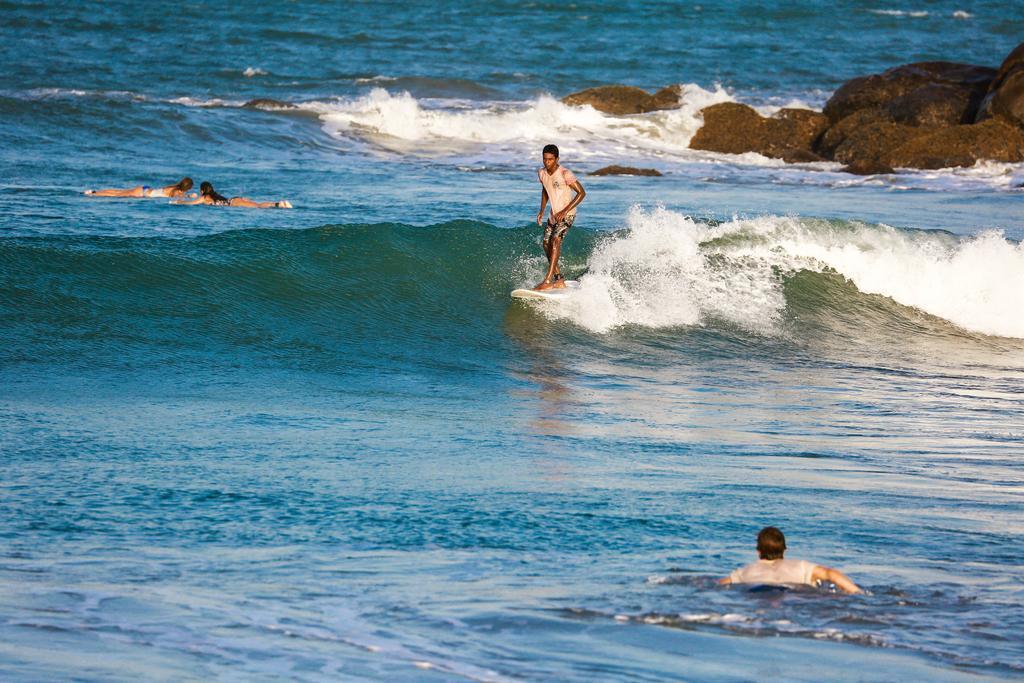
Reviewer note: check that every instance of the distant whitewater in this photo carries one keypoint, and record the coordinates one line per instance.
(394, 125)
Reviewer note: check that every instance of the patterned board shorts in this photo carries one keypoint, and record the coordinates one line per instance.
(558, 229)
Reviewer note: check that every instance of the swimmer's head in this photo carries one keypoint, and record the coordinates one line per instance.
(550, 149)
(184, 185)
(206, 189)
(771, 544)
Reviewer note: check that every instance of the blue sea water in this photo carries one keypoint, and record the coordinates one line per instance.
(323, 444)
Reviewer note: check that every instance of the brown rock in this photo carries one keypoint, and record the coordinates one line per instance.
(1008, 100)
(877, 91)
(800, 156)
(617, 100)
(936, 105)
(267, 103)
(868, 168)
(870, 144)
(1005, 96)
(620, 100)
(836, 134)
(666, 98)
(728, 127)
(793, 129)
(734, 128)
(995, 140)
(1010, 63)
(626, 170)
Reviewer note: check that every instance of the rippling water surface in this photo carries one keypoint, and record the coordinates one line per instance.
(323, 444)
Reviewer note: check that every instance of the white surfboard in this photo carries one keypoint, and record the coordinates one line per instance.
(548, 294)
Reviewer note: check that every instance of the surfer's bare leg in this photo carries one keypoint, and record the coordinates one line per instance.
(250, 204)
(553, 279)
(113, 192)
(546, 282)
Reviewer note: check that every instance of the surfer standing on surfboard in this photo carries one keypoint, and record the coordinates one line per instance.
(557, 185)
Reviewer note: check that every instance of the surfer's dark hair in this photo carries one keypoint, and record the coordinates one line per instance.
(550, 149)
(207, 191)
(771, 544)
(184, 185)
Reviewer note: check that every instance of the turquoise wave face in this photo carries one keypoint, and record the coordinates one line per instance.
(338, 294)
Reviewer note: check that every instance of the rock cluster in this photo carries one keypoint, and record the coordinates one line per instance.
(923, 115)
(735, 128)
(615, 169)
(620, 100)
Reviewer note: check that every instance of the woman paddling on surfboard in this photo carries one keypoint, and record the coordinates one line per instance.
(208, 195)
(178, 189)
(557, 185)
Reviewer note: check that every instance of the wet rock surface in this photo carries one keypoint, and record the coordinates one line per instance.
(267, 103)
(615, 169)
(622, 100)
(735, 128)
(922, 115)
(1005, 96)
(910, 82)
(925, 115)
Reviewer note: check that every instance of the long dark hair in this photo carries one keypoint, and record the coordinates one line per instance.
(182, 186)
(207, 191)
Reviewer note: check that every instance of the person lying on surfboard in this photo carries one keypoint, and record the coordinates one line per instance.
(178, 189)
(208, 195)
(557, 185)
(772, 570)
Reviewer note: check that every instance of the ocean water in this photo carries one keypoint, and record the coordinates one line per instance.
(323, 444)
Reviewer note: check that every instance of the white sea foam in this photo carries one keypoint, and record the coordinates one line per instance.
(916, 14)
(400, 122)
(773, 108)
(253, 71)
(59, 93)
(506, 132)
(667, 270)
(984, 174)
(657, 274)
(961, 14)
(209, 102)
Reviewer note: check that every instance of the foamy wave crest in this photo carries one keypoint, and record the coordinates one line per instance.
(916, 14)
(983, 175)
(400, 122)
(658, 274)
(63, 93)
(666, 269)
(206, 103)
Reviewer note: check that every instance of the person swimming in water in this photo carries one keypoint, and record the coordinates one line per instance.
(178, 189)
(771, 569)
(208, 195)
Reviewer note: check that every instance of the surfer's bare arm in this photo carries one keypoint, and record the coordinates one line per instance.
(190, 202)
(725, 582)
(834, 576)
(580, 194)
(543, 205)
